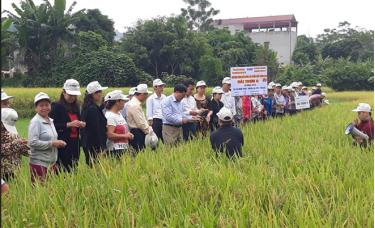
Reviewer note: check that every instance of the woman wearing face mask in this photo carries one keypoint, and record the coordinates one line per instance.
(94, 135)
(43, 140)
(66, 118)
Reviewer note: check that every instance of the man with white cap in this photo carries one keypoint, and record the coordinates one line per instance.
(318, 89)
(94, 134)
(12, 146)
(130, 96)
(278, 101)
(5, 99)
(215, 105)
(364, 122)
(226, 98)
(137, 121)
(153, 108)
(190, 108)
(227, 139)
(66, 118)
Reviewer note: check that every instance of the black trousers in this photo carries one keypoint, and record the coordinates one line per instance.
(189, 131)
(68, 156)
(138, 143)
(157, 126)
(91, 155)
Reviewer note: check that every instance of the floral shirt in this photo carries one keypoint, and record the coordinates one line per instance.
(12, 148)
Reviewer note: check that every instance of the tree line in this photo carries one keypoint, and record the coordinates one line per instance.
(56, 43)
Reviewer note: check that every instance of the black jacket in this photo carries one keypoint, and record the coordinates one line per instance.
(227, 139)
(60, 117)
(94, 135)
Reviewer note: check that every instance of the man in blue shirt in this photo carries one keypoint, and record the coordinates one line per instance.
(173, 115)
(267, 101)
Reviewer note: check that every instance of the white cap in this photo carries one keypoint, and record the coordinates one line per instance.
(284, 88)
(314, 88)
(157, 82)
(362, 107)
(225, 114)
(217, 89)
(41, 96)
(94, 87)
(324, 94)
(132, 91)
(226, 80)
(201, 83)
(269, 87)
(294, 84)
(278, 85)
(304, 87)
(9, 117)
(290, 88)
(299, 83)
(318, 84)
(71, 87)
(116, 95)
(151, 140)
(142, 88)
(4, 96)
(271, 84)
(106, 97)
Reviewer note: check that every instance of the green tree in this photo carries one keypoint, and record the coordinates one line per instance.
(267, 57)
(93, 20)
(306, 51)
(199, 14)
(43, 32)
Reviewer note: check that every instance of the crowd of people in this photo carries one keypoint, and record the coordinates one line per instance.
(116, 123)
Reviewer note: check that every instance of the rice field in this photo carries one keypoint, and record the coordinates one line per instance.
(300, 171)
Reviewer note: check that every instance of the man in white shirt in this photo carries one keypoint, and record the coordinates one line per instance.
(153, 108)
(226, 98)
(189, 108)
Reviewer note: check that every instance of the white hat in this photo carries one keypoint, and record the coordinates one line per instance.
(284, 88)
(94, 87)
(132, 91)
(142, 88)
(9, 117)
(71, 87)
(226, 80)
(116, 95)
(225, 114)
(269, 87)
(151, 140)
(324, 94)
(294, 84)
(157, 82)
(271, 84)
(41, 96)
(290, 88)
(362, 107)
(217, 89)
(278, 85)
(304, 87)
(106, 97)
(4, 96)
(299, 83)
(318, 84)
(201, 83)
(313, 88)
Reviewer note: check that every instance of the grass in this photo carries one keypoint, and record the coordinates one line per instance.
(298, 171)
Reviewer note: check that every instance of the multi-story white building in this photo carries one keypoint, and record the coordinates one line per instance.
(279, 33)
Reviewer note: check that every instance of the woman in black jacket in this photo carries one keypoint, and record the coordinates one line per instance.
(66, 118)
(94, 135)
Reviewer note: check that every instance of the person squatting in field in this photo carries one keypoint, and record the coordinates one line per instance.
(363, 123)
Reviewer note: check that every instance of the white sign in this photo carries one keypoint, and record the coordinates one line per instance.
(247, 81)
(302, 102)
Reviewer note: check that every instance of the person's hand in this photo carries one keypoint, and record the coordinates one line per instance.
(129, 136)
(150, 129)
(356, 122)
(208, 118)
(358, 139)
(82, 124)
(74, 123)
(194, 112)
(196, 119)
(23, 141)
(58, 143)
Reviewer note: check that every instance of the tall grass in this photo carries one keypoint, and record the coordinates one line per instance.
(297, 171)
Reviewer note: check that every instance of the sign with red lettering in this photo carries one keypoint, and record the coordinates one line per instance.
(247, 81)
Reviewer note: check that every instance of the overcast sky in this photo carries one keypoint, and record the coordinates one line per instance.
(313, 15)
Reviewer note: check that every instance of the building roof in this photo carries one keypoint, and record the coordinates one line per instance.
(260, 22)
